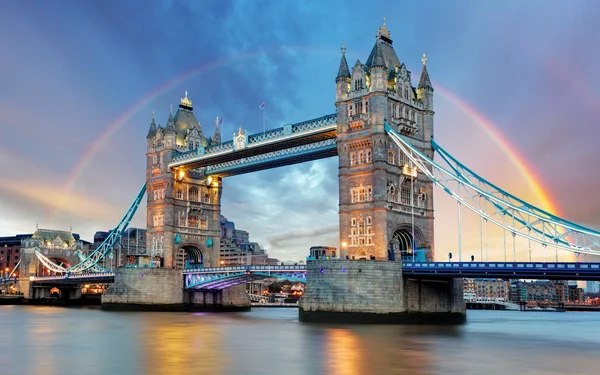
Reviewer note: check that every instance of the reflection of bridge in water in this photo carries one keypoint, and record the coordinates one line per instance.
(382, 135)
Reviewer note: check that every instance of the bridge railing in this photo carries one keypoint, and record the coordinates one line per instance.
(284, 132)
(496, 265)
(247, 269)
(73, 276)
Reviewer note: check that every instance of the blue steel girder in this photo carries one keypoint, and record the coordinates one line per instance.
(496, 205)
(288, 136)
(91, 261)
(223, 277)
(504, 270)
(288, 156)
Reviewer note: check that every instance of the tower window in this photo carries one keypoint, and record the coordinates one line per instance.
(369, 156)
(391, 158)
(179, 194)
(193, 194)
(352, 158)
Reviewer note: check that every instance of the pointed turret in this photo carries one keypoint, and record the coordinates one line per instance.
(170, 122)
(343, 71)
(425, 82)
(216, 139)
(152, 131)
(378, 60)
(343, 79)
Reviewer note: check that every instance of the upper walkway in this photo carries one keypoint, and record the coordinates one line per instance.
(281, 146)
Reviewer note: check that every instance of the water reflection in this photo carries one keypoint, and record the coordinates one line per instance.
(49, 341)
(344, 354)
(180, 344)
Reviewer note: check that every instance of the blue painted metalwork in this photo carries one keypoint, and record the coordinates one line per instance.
(284, 133)
(504, 210)
(510, 270)
(92, 277)
(224, 277)
(91, 261)
(286, 156)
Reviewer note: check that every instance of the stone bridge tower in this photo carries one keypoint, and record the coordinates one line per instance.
(386, 205)
(183, 207)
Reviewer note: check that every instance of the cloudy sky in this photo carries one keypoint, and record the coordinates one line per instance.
(79, 81)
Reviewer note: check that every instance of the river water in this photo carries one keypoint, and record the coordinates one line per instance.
(87, 341)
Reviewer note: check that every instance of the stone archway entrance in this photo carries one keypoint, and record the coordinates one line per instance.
(408, 244)
(189, 256)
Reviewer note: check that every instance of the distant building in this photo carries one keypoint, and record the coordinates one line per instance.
(11, 247)
(576, 294)
(318, 252)
(237, 250)
(539, 291)
(489, 288)
(130, 247)
(593, 287)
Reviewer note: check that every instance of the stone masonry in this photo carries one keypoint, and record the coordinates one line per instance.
(367, 291)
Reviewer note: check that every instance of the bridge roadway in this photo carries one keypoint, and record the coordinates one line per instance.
(218, 278)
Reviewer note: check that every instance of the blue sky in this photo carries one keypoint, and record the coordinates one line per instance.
(69, 70)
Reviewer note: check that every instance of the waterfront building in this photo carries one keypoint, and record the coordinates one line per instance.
(576, 294)
(490, 288)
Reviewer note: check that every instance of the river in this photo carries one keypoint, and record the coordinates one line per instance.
(87, 341)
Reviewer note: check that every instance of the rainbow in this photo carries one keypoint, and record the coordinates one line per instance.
(504, 144)
(120, 121)
(479, 119)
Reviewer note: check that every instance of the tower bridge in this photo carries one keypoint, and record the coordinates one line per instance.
(382, 134)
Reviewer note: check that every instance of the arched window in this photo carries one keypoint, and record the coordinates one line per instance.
(193, 194)
(369, 156)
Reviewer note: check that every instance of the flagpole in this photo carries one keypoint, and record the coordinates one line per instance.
(264, 110)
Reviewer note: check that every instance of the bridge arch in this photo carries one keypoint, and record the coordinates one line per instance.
(191, 256)
(402, 242)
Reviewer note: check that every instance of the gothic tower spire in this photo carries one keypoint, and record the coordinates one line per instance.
(152, 130)
(425, 82)
(216, 139)
(343, 71)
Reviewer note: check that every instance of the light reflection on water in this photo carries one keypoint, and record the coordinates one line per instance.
(46, 340)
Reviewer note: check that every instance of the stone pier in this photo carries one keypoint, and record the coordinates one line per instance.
(162, 289)
(370, 291)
